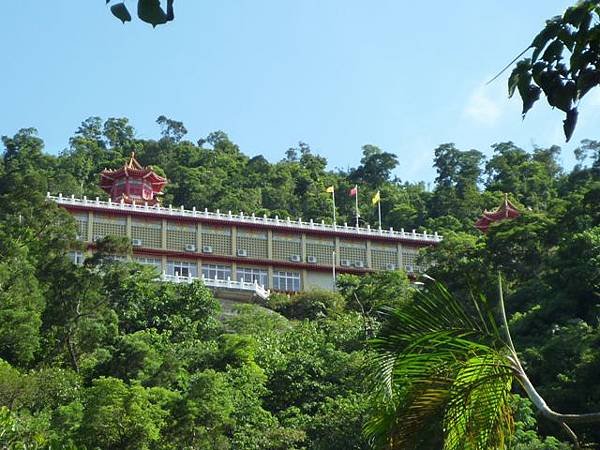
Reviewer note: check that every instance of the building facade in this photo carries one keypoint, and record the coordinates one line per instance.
(236, 250)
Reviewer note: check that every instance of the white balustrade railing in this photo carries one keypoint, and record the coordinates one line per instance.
(244, 218)
(241, 285)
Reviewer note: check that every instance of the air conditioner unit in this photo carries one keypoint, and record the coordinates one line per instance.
(359, 264)
(311, 259)
(136, 242)
(98, 237)
(190, 248)
(78, 237)
(207, 249)
(242, 252)
(345, 263)
(295, 258)
(410, 268)
(390, 267)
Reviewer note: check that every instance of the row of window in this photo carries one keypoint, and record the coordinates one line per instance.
(282, 280)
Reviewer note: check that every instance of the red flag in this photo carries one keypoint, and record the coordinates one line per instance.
(353, 191)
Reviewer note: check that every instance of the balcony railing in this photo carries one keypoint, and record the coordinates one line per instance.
(242, 285)
(242, 218)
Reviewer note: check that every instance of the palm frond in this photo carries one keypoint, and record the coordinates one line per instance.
(478, 412)
(434, 360)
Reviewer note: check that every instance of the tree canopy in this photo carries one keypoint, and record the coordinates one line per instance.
(103, 355)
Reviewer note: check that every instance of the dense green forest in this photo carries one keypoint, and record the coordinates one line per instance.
(103, 356)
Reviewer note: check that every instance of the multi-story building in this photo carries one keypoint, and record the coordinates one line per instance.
(236, 254)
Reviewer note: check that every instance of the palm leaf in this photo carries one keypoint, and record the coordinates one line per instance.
(435, 361)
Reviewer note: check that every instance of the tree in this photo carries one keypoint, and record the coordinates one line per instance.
(376, 166)
(119, 416)
(172, 130)
(564, 63)
(21, 306)
(437, 363)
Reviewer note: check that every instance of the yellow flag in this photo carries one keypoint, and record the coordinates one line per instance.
(329, 189)
(376, 198)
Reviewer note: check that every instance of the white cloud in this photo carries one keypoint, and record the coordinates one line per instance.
(482, 106)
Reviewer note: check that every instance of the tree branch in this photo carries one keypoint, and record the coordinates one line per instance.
(532, 393)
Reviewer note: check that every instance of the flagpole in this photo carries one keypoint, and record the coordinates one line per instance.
(333, 198)
(333, 269)
(379, 211)
(356, 199)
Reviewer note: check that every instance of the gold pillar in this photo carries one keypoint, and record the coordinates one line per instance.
(233, 241)
(90, 225)
(399, 249)
(269, 244)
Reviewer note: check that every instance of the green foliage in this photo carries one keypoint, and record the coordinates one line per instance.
(81, 344)
(436, 362)
(119, 416)
(312, 305)
(563, 63)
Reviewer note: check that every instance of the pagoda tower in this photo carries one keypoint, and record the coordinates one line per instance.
(506, 210)
(132, 183)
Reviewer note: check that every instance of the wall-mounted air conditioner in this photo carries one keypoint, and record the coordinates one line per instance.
(410, 268)
(190, 248)
(390, 267)
(241, 252)
(207, 249)
(345, 263)
(78, 237)
(359, 264)
(136, 242)
(311, 259)
(295, 258)
(98, 237)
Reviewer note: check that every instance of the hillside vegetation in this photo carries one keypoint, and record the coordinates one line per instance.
(103, 356)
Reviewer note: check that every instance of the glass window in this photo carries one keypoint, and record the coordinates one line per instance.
(154, 262)
(212, 271)
(286, 281)
(76, 257)
(182, 268)
(250, 275)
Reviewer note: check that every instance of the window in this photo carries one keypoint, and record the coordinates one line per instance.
(250, 275)
(286, 281)
(182, 268)
(154, 262)
(212, 271)
(76, 257)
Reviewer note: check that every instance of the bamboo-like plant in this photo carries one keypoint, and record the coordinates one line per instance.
(437, 361)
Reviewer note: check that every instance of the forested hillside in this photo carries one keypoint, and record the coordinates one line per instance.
(103, 356)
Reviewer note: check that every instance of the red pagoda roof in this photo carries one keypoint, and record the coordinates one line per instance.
(505, 211)
(132, 170)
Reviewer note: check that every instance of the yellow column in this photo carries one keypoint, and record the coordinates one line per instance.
(303, 247)
(163, 231)
(399, 264)
(270, 278)
(269, 244)
(233, 241)
(369, 261)
(90, 225)
(198, 237)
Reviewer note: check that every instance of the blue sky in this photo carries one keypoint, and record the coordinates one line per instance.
(405, 76)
